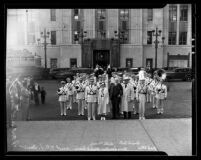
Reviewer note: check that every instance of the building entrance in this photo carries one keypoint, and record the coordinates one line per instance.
(101, 57)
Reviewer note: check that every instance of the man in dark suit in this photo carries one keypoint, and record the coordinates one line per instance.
(115, 93)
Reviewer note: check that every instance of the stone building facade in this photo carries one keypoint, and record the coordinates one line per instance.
(120, 37)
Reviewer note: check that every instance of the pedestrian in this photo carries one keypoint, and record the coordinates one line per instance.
(80, 96)
(36, 91)
(161, 95)
(91, 96)
(128, 98)
(115, 93)
(43, 94)
(141, 97)
(103, 100)
(62, 92)
(70, 89)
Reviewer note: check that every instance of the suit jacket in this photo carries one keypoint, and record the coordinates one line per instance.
(115, 91)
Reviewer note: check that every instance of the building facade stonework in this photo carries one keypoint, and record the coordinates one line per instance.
(120, 37)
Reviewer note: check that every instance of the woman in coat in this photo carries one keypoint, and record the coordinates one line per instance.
(103, 100)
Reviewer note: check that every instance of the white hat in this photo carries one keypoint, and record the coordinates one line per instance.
(126, 78)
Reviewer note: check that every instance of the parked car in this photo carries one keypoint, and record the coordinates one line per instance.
(72, 72)
(57, 71)
(184, 74)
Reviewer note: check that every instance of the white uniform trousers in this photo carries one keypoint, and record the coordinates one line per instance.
(142, 101)
(80, 106)
(91, 110)
(69, 103)
(160, 105)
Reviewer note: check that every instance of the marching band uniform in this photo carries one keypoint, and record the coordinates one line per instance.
(91, 93)
(141, 96)
(134, 84)
(70, 89)
(148, 82)
(152, 87)
(62, 92)
(103, 100)
(80, 96)
(161, 95)
(127, 100)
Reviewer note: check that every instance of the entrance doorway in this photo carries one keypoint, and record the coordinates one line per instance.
(149, 63)
(101, 57)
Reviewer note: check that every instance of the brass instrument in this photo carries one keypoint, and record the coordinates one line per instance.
(160, 74)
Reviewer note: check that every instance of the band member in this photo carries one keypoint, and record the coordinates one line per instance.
(70, 89)
(115, 93)
(80, 96)
(152, 87)
(141, 96)
(135, 83)
(103, 100)
(91, 96)
(161, 95)
(128, 98)
(62, 92)
(148, 81)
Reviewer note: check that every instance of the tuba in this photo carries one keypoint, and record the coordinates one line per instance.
(160, 74)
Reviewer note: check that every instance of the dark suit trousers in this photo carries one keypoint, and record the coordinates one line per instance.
(115, 106)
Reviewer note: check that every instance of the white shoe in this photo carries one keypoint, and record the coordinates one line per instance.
(94, 118)
(143, 118)
(134, 112)
(140, 118)
(64, 114)
(104, 118)
(154, 106)
(61, 114)
(101, 118)
(89, 119)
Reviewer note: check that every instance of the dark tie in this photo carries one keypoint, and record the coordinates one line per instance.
(125, 85)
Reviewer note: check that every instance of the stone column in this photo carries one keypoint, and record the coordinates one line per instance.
(67, 26)
(178, 21)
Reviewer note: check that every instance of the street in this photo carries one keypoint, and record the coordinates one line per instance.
(178, 104)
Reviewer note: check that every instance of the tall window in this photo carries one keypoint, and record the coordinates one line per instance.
(184, 13)
(53, 37)
(101, 23)
(150, 14)
(172, 38)
(149, 37)
(182, 38)
(76, 24)
(172, 12)
(124, 25)
(53, 62)
(53, 14)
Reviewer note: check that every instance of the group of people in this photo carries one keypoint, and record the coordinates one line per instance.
(20, 93)
(108, 92)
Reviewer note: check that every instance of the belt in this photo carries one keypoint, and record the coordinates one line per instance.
(91, 94)
(79, 91)
(142, 93)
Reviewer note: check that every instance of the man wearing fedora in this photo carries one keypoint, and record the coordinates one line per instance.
(115, 93)
(91, 97)
(128, 98)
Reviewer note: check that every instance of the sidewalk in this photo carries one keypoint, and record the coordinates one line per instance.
(173, 136)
